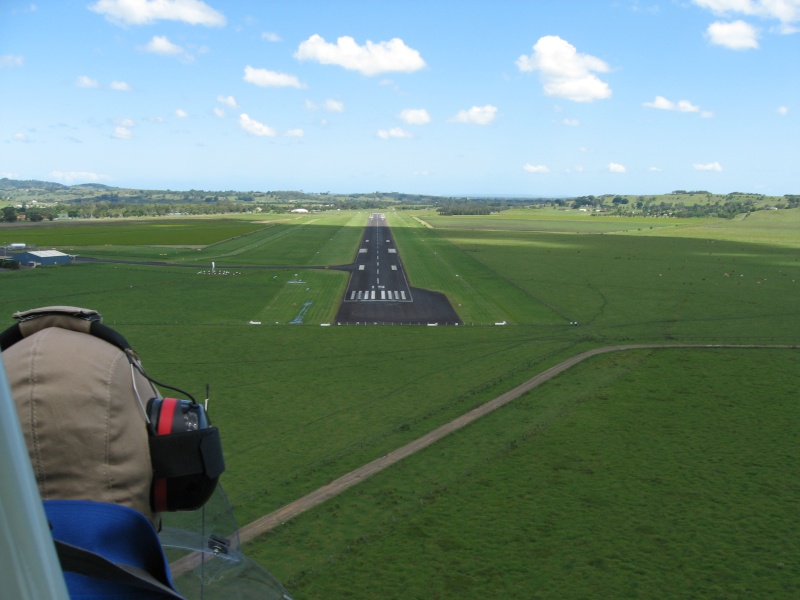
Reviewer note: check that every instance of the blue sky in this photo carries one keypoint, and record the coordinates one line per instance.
(506, 97)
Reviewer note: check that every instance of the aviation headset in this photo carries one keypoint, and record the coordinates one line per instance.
(185, 449)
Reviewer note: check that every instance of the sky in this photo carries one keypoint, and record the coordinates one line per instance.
(493, 97)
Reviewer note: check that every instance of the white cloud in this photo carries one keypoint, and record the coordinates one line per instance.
(654, 170)
(253, 127)
(787, 29)
(617, 168)
(723, 6)
(265, 78)
(141, 12)
(369, 59)
(736, 35)
(333, 106)
(269, 36)
(662, 103)
(571, 122)
(783, 110)
(785, 11)
(295, 133)
(159, 44)
(9, 61)
(477, 115)
(123, 129)
(181, 114)
(122, 133)
(84, 81)
(564, 71)
(229, 101)
(536, 168)
(415, 116)
(20, 137)
(219, 112)
(715, 166)
(70, 177)
(394, 132)
(329, 105)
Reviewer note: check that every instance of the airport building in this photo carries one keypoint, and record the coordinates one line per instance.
(42, 258)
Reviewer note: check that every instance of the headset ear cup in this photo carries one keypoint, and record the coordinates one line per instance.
(186, 454)
(188, 492)
(162, 415)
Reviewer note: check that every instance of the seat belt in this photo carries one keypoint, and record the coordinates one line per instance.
(84, 562)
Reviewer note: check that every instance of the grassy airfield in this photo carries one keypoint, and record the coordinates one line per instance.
(649, 474)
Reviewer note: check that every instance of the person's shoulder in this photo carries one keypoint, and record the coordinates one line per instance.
(108, 551)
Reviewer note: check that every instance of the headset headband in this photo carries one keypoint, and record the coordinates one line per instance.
(82, 320)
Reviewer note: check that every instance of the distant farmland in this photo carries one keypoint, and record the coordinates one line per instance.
(653, 474)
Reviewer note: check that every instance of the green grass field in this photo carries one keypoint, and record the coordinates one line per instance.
(554, 221)
(634, 476)
(617, 479)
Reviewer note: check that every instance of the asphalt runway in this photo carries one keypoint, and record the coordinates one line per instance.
(378, 291)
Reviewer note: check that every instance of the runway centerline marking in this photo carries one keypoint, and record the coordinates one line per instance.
(366, 274)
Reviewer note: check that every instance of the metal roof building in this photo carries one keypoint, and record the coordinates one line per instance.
(36, 258)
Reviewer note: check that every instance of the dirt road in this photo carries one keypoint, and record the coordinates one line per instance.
(337, 486)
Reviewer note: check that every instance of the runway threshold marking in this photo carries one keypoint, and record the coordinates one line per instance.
(354, 295)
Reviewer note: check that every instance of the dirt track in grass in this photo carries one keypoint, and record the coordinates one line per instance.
(337, 486)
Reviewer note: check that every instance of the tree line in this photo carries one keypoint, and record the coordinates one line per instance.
(38, 201)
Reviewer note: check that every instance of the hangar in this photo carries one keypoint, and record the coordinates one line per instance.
(42, 258)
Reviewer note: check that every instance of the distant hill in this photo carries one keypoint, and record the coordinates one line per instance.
(16, 184)
(92, 186)
(49, 186)
(97, 199)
